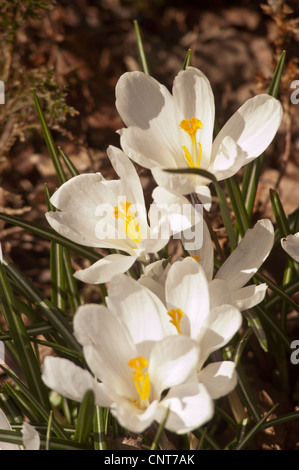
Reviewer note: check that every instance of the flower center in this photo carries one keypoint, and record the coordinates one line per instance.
(176, 315)
(191, 126)
(141, 378)
(123, 211)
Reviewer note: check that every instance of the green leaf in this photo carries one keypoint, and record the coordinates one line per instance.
(187, 60)
(49, 141)
(255, 323)
(68, 163)
(50, 234)
(142, 57)
(255, 429)
(99, 429)
(85, 418)
(26, 356)
(160, 431)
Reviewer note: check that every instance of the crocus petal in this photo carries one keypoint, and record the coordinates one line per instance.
(143, 313)
(248, 256)
(5, 424)
(187, 288)
(130, 417)
(72, 381)
(154, 278)
(248, 133)
(220, 326)
(205, 254)
(30, 437)
(190, 406)
(219, 378)
(193, 97)
(180, 356)
(104, 269)
(291, 245)
(249, 296)
(170, 205)
(95, 328)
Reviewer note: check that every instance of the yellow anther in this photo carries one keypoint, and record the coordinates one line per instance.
(191, 126)
(141, 379)
(123, 211)
(196, 257)
(176, 315)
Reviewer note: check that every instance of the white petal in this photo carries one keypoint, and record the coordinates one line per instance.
(30, 437)
(174, 207)
(140, 310)
(182, 183)
(205, 253)
(248, 133)
(154, 278)
(190, 406)
(147, 148)
(131, 418)
(291, 246)
(5, 424)
(194, 98)
(187, 288)
(104, 269)
(72, 381)
(107, 346)
(220, 326)
(249, 296)
(249, 255)
(219, 378)
(130, 183)
(172, 361)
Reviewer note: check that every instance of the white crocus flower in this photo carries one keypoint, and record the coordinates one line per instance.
(30, 436)
(111, 214)
(227, 285)
(175, 130)
(290, 244)
(143, 372)
(187, 311)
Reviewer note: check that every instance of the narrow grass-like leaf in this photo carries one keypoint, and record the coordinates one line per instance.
(273, 326)
(255, 323)
(253, 169)
(49, 141)
(48, 435)
(99, 429)
(85, 418)
(160, 431)
(236, 200)
(26, 356)
(187, 60)
(142, 57)
(52, 313)
(275, 288)
(36, 404)
(255, 429)
(243, 390)
(221, 198)
(71, 284)
(50, 234)
(281, 219)
(68, 163)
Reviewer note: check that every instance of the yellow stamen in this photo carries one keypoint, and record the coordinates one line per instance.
(196, 257)
(176, 315)
(128, 217)
(141, 379)
(191, 126)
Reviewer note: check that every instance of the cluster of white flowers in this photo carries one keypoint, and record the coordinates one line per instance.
(149, 349)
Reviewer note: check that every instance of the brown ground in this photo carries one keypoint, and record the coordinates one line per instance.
(89, 44)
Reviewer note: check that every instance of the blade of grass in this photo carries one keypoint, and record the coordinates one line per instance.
(85, 418)
(255, 429)
(187, 60)
(68, 163)
(49, 234)
(99, 429)
(49, 141)
(160, 431)
(142, 57)
(26, 356)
